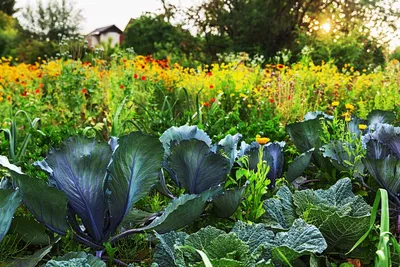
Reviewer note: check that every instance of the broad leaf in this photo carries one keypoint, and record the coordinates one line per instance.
(197, 168)
(229, 146)
(9, 202)
(375, 149)
(380, 116)
(133, 172)
(341, 154)
(30, 231)
(390, 136)
(182, 211)
(341, 216)
(273, 154)
(6, 164)
(76, 259)
(301, 239)
(228, 246)
(135, 217)
(316, 115)
(203, 238)
(79, 169)
(256, 236)
(387, 172)
(305, 135)
(166, 253)
(279, 211)
(227, 203)
(178, 134)
(297, 167)
(49, 207)
(252, 152)
(33, 260)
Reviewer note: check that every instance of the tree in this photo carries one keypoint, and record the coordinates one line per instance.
(57, 18)
(151, 34)
(268, 26)
(8, 34)
(7, 7)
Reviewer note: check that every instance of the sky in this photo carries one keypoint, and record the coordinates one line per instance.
(99, 13)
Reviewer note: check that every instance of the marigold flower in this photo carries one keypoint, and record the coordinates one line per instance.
(335, 103)
(135, 76)
(350, 107)
(211, 86)
(206, 104)
(271, 101)
(362, 127)
(212, 100)
(347, 119)
(122, 86)
(262, 140)
(143, 78)
(280, 66)
(84, 91)
(37, 91)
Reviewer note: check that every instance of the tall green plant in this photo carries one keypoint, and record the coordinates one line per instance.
(383, 256)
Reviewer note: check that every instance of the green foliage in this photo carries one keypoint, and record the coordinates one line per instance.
(8, 34)
(151, 34)
(246, 244)
(341, 216)
(251, 208)
(51, 21)
(8, 7)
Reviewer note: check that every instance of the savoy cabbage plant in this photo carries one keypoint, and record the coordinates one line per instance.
(340, 215)
(245, 245)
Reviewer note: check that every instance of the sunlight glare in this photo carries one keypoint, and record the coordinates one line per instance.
(326, 27)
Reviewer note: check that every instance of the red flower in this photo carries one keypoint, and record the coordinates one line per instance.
(122, 86)
(37, 91)
(41, 85)
(135, 76)
(271, 101)
(143, 78)
(209, 73)
(211, 86)
(84, 91)
(212, 100)
(289, 97)
(206, 104)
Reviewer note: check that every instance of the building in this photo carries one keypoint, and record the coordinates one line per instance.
(100, 35)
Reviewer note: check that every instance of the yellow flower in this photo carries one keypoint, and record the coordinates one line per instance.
(362, 127)
(249, 105)
(335, 103)
(350, 107)
(347, 119)
(262, 140)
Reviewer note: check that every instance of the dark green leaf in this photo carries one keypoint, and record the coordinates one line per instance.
(197, 168)
(226, 204)
(9, 202)
(133, 172)
(297, 167)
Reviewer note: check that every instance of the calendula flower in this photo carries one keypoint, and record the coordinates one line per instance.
(335, 103)
(350, 107)
(262, 140)
(347, 119)
(362, 127)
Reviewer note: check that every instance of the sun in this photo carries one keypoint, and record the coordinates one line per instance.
(326, 27)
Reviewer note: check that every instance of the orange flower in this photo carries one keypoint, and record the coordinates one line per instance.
(37, 91)
(206, 104)
(212, 100)
(135, 76)
(280, 66)
(143, 78)
(211, 86)
(84, 91)
(122, 86)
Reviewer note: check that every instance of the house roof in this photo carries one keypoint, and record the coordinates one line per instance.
(110, 28)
